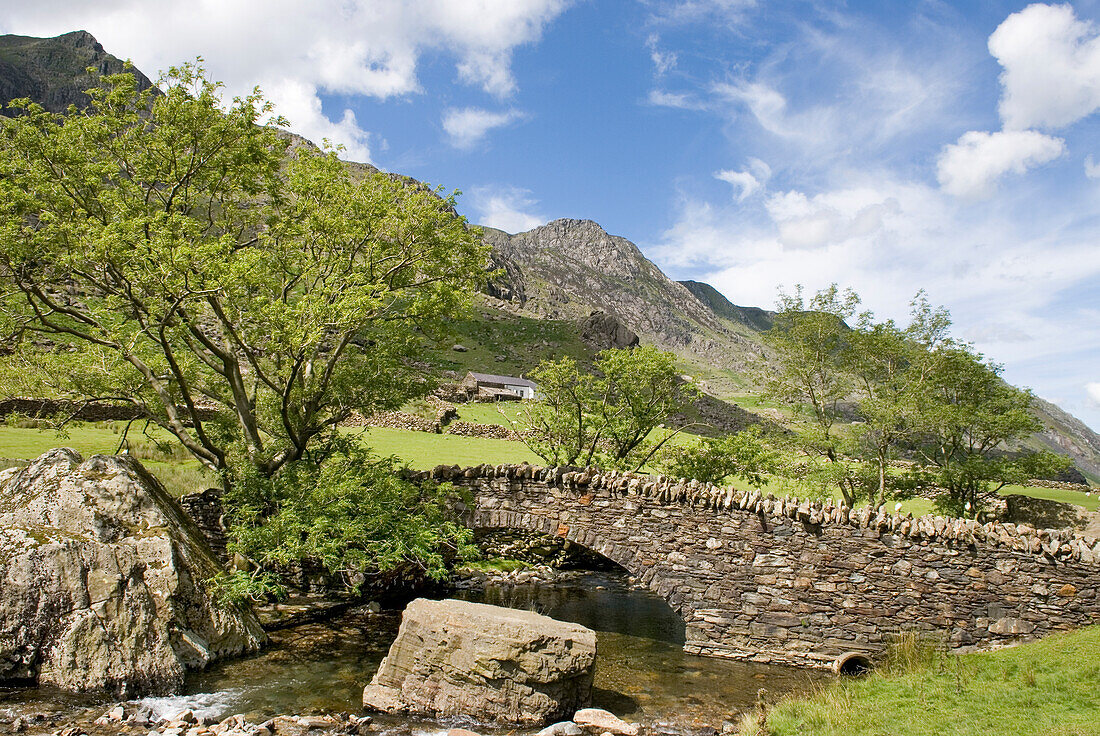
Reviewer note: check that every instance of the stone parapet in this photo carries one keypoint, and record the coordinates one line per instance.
(792, 581)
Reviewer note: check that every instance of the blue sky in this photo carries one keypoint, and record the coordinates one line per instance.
(888, 146)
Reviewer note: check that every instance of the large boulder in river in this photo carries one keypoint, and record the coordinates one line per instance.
(102, 580)
(455, 658)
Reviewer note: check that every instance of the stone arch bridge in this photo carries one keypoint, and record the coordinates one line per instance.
(796, 582)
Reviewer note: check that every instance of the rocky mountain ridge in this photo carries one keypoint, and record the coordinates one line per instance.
(568, 269)
(53, 71)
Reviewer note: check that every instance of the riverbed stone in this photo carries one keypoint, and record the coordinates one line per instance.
(102, 580)
(501, 665)
(561, 728)
(600, 721)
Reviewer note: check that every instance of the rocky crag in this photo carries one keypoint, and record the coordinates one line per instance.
(569, 269)
(53, 71)
(102, 580)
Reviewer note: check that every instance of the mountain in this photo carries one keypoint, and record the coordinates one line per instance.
(568, 269)
(754, 318)
(551, 283)
(53, 71)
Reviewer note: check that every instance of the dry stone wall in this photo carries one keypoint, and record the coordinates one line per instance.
(788, 581)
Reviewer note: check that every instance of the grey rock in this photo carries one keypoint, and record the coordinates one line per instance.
(561, 728)
(101, 580)
(603, 330)
(501, 665)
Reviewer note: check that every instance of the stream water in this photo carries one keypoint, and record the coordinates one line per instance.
(641, 674)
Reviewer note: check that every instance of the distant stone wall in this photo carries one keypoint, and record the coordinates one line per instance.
(41, 408)
(490, 431)
(1059, 485)
(396, 420)
(84, 411)
(797, 582)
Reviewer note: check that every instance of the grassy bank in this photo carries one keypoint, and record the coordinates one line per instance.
(1049, 687)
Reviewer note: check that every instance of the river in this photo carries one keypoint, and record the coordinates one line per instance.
(641, 673)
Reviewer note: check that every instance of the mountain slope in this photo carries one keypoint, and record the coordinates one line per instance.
(567, 269)
(754, 318)
(53, 71)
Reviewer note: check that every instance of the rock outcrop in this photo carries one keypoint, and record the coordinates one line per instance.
(102, 580)
(603, 331)
(54, 71)
(494, 664)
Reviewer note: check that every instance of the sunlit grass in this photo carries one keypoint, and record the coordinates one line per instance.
(1046, 688)
(420, 450)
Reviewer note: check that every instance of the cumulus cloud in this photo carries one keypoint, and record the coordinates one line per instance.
(295, 50)
(1092, 391)
(829, 218)
(506, 208)
(972, 166)
(468, 126)
(749, 181)
(1051, 66)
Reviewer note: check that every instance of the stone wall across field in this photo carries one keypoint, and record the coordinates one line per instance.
(82, 410)
(798, 582)
(474, 429)
(1060, 485)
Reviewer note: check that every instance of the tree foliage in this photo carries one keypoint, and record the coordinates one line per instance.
(746, 455)
(171, 252)
(352, 514)
(809, 339)
(607, 417)
(920, 395)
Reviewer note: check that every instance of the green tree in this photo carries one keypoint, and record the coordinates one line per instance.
(164, 250)
(964, 424)
(353, 515)
(560, 425)
(746, 455)
(884, 362)
(607, 417)
(809, 339)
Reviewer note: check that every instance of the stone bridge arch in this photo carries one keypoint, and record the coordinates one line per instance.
(627, 556)
(794, 582)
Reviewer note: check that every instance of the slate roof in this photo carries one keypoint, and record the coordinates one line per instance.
(503, 380)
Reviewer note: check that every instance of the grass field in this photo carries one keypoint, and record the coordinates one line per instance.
(420, 450)
(423, 450)
(1049, 687)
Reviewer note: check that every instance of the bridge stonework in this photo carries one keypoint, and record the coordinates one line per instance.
(800, 583)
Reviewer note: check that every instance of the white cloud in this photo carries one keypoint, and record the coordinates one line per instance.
(747, 182)
(677, 100)
(1051, 66)
(887, 238)
(694, 11)
(510, 209)
(829, 218)
(466, 127)
(1092, 391)
(663, 61)
(1092, 169)
(294, 50)
(972, 166)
